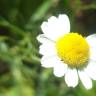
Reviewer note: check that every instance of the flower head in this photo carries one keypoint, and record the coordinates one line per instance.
(69, 54)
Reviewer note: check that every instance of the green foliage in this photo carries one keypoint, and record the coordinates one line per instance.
(20, 70)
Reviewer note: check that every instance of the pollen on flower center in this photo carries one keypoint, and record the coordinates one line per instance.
(73, 49)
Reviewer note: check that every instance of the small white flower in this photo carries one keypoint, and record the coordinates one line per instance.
(69, 54)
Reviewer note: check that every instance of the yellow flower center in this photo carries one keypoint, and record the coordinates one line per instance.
(73, 49)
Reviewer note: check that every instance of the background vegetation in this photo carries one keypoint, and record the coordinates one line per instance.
(20, 71)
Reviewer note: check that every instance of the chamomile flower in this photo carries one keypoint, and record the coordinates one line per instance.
(69, 54)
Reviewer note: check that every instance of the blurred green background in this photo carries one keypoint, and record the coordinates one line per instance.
(20, 71)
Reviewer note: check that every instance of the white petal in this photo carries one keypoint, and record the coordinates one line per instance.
(91, 69)
(48, 49)
(71, 77)
(64, 23)
(49, 30)
(86, 81)
(43, 39)
(93, 53)
(91, 40)
(52, 20)
(56, 27)
(49, 61)
(60, 69)
(44, 27)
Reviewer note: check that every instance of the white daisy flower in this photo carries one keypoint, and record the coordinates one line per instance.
(69, 54)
